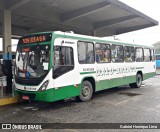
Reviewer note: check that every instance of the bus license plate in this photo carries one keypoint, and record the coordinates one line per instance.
(25, 97)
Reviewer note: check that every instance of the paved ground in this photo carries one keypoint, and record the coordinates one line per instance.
(118, 105)
(158, 71)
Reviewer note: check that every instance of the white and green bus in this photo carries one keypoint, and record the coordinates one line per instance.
(52, 66)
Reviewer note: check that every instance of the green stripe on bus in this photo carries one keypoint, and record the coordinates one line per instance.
(106, 84)
(82, 73)
(140, 68)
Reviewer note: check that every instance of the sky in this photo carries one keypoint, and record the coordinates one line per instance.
(146, 36)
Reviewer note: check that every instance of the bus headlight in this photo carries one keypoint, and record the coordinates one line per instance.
(44, 86)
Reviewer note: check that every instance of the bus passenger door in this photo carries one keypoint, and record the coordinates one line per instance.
(64, 73)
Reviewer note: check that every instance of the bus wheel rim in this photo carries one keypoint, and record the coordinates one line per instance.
(85, 91)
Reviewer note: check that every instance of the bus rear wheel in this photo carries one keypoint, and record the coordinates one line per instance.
(138, 82)
(86, 91)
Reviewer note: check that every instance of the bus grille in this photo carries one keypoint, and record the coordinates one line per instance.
(28, 81)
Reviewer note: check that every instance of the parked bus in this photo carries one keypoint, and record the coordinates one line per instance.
(52, 66)
(157, 60)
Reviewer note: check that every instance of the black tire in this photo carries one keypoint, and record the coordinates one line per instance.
(138, 82)
(86, 91)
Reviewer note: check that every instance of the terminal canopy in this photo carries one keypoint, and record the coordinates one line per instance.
(90, 17)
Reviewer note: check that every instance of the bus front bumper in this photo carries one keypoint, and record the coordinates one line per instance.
(50, 95)
(46, 96)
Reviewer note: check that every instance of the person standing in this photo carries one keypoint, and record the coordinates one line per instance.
(2, 85)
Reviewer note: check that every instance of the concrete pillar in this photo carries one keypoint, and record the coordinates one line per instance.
(94, 32)
(6, 37)
(6, 32)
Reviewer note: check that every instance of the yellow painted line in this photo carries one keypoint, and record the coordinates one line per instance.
(10, 100)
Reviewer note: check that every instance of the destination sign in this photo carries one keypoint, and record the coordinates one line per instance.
(37, 38)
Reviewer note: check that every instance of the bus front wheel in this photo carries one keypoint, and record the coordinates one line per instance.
(138, 82)
(86, 91)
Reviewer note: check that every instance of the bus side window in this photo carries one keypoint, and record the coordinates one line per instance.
(102, 53)
(157, 57)
(147, 55)
(152, 55)
(81, 52)
(139, 54)
(85, 52)
(90, 53)
(117, 53)
(129, 54)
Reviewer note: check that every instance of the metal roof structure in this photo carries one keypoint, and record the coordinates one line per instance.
(90, 17)
(157, 45)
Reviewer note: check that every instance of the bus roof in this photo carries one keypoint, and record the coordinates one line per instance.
(93, 38)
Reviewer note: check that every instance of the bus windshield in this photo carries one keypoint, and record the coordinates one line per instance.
(157, 57)
(32, 61)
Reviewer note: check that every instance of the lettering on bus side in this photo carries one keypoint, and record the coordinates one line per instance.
(118, 70)
(68, 42)
(88, 69)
